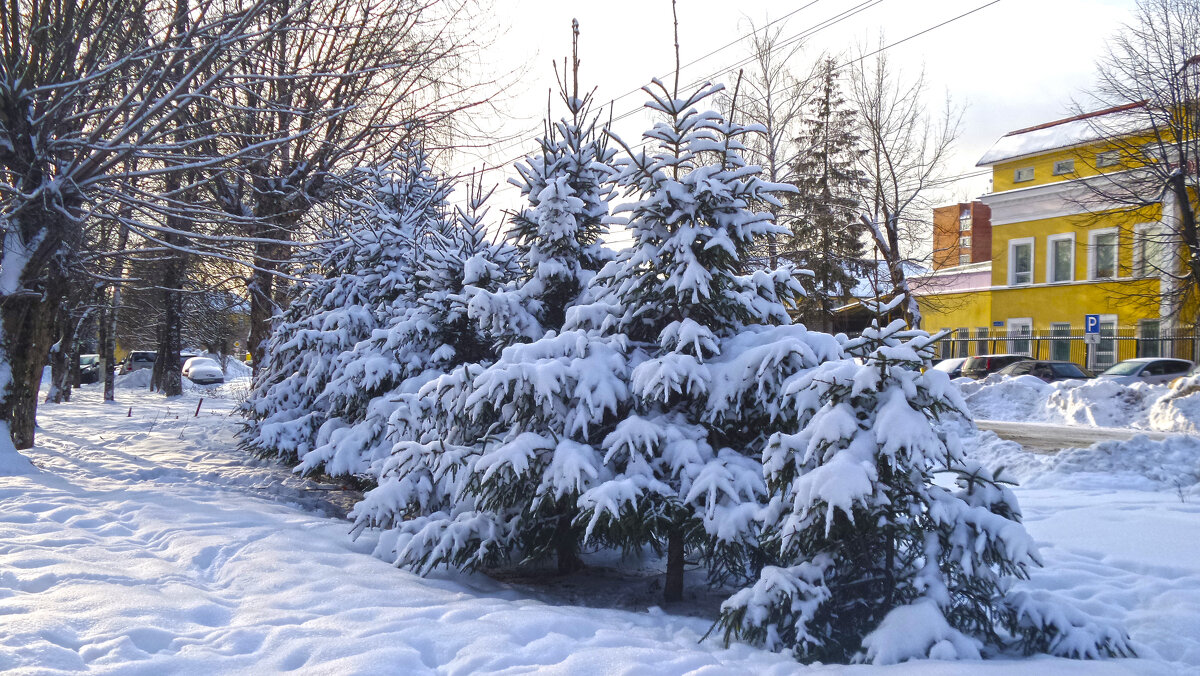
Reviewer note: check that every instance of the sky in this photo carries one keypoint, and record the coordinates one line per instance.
(1009, 65)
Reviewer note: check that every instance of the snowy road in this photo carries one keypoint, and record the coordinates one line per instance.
(149, 545)
(1050, 437)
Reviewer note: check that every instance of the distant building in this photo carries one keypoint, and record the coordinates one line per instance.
(962, 234)
(1055, 255)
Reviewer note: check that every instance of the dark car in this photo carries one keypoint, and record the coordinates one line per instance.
(89, 368)
(979, 367)
(1049, 371)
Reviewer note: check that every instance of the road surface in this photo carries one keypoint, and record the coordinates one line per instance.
(1046, 437)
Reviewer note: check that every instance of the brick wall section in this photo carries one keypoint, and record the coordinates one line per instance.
(947, 229)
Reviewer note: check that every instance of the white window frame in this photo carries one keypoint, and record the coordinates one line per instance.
(964, 242)
(964, 259)
(1140, 233)
(1063, 167)
(1108, 158)
(1013, 325)
(1093, 235)
(1068, 236)
(1012, 259)
(1023, 175)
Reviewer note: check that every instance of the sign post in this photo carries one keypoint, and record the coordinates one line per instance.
(1091, 338)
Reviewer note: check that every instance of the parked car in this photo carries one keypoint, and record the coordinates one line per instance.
(1049, 371)
(203, 371)
(1149, 370)
(953, 367)
(136, 361)
(89, 368)
(979, 367)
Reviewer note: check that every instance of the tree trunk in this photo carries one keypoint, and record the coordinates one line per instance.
(107, 356)
(108, 326)
(568, 557)
(60, 356)
(27, 333)
(673, 589)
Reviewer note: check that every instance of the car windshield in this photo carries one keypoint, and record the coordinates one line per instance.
(88, 360)
(1067, 371)
(1125, 368)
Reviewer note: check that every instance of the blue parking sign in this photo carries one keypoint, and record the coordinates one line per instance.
(1091, 324)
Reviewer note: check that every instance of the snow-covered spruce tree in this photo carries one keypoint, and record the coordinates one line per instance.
(427, 439)
(673, 476)
(876, 562)
(366, 266)
(568, 189)
(547, 405)
(361, 395)
(826, 237)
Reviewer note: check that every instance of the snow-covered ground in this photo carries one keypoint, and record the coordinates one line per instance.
(148, 544)
(1100, 402)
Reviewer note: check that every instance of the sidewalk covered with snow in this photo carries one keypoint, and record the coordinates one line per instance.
(149, 544)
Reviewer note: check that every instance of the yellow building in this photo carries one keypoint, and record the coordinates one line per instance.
(1059, 251)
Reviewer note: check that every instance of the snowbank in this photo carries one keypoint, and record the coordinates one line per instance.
(1101, 402)
(1141, 463)
(137, 379)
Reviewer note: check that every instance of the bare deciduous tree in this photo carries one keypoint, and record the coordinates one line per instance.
(906, 150)
(1149, 94)
(774, 97)
(84, 87)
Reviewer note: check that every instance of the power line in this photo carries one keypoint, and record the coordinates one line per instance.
(812, 30)
(808, 32)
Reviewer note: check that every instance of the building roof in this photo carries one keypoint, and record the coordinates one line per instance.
(1065, 133)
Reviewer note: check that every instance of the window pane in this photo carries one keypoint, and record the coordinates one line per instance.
(1106, 351)
(1106, 255)
(1148, 345)
(1022, 264)
(1060, 350)
(1062, 260)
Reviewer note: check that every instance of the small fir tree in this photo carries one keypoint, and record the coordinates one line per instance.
(873, 560)
(364, 266)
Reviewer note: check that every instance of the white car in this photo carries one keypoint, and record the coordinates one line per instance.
(203, 371)
(1150, 370)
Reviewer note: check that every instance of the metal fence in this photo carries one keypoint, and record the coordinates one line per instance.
(1067, 344)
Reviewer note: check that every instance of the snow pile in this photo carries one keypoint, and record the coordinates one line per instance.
(137, 379)
(1101, 402)
(1003, 398)
(1172, 413)
(236, 368)
(1141, 463)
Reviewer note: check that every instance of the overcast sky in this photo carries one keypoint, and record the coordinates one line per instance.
(1012, 64)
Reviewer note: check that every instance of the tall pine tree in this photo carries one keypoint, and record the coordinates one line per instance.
(826, 238)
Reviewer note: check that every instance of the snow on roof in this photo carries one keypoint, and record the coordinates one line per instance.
(1065, 133)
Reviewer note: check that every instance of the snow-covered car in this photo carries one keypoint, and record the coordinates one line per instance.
(1048, 371)
(1148, 370)
(203, 371)
(952, 367)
